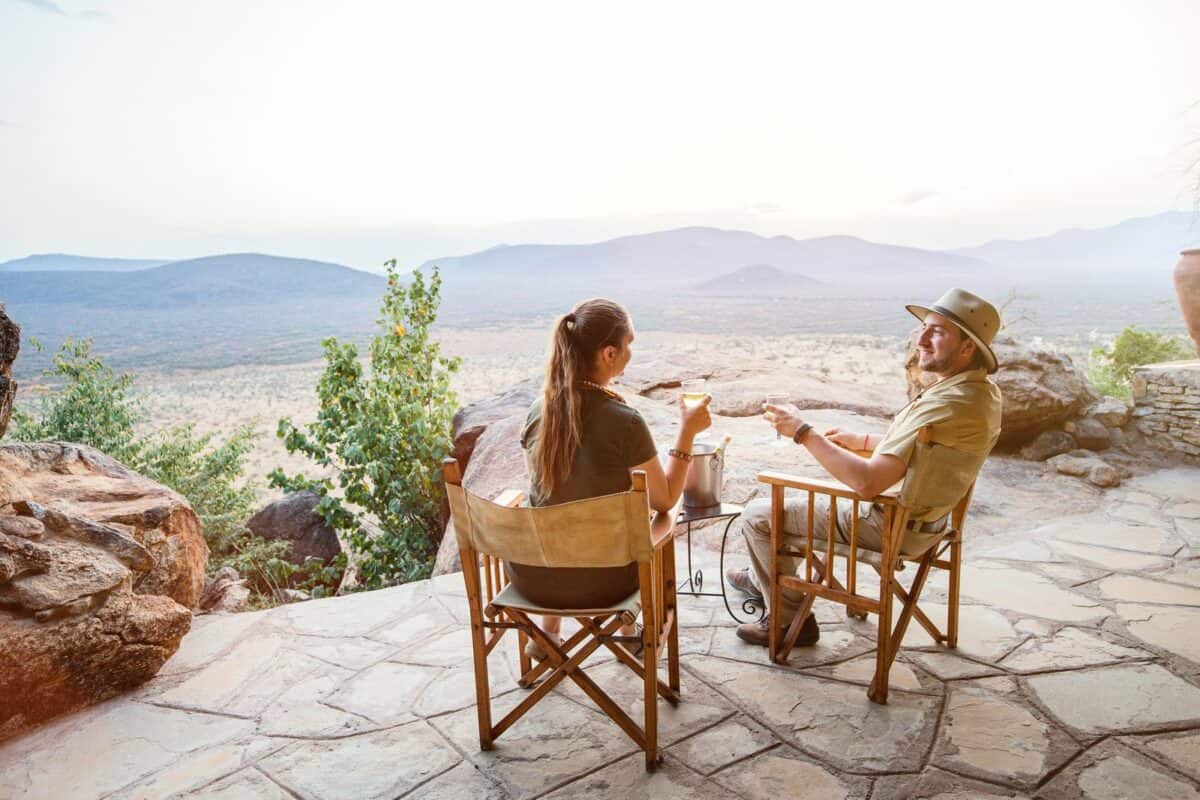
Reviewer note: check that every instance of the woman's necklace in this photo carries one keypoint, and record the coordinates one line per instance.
(605, 389)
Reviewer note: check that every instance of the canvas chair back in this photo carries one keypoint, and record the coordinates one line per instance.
(938, 477)
(609, 531)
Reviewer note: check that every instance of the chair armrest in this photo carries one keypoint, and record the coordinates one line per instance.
(509, 498)
(662, 528)
(827, 486)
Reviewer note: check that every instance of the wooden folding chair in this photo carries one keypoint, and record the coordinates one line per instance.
(928, 482)
(609, 531)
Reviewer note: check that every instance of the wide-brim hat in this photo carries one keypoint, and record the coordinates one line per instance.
(973, 315)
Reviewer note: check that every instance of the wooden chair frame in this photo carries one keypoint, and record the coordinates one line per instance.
(819, 580)
(485, 578)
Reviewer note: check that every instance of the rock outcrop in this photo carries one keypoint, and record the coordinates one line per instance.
(294, 519)
(82, 495)
(10, 344)
(97, 568)
(1042, 389)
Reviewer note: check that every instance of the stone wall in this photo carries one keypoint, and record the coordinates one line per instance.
(1167, 405)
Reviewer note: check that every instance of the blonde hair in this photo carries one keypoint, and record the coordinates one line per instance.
(576, 340)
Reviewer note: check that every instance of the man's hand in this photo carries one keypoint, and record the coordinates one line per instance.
(847, 439)
(783, 419)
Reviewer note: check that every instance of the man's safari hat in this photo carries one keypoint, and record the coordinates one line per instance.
(977, 318)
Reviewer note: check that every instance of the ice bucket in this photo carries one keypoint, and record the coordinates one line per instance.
(702, 487)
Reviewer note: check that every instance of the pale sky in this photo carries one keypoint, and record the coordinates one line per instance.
(357, 131)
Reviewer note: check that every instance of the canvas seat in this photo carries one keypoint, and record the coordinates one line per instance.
(928, 483)
(609, 531)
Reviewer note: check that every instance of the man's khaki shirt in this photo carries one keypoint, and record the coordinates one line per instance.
(964, 411)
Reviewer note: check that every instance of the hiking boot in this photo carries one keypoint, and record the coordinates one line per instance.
(741, 580)
(759, 632)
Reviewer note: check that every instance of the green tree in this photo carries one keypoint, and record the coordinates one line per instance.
(1111, 369)
(383, 432)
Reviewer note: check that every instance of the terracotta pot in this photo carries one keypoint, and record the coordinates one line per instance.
(1187, 288)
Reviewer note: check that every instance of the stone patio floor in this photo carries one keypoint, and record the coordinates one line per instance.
(1077, 675)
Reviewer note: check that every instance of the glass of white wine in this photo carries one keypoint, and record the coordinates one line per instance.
(694, 391)
(777, 399)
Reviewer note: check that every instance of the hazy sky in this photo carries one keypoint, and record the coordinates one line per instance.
(357, 131)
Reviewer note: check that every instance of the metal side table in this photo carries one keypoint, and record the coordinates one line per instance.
(754, 607)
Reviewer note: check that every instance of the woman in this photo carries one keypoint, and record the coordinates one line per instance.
(582, 440)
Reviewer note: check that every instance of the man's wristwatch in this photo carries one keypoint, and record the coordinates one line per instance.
(801, 432)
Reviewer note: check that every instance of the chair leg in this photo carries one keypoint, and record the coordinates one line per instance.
(651, 619)
(483, 697)
(775, 590)
(877, 692)
(896, 635)
(672, 609)
(952, 605)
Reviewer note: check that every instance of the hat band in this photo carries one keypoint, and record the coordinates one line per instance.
(957, 320)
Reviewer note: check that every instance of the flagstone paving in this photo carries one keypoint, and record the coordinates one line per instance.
(1077, 675)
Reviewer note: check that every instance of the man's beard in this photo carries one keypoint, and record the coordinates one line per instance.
(933, 364)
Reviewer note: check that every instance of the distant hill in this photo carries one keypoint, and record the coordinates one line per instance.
(1129, 250)
(236, 279)
(62, 262)
(758, 279)
(684, 256)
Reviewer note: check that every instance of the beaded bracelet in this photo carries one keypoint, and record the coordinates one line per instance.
(679, 454)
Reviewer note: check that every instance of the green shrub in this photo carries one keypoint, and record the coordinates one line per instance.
(1111, 367)
(384, 433)
(91, 406)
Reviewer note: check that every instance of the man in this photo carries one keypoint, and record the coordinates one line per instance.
(963, 407)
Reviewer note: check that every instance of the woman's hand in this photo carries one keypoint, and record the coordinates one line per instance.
(783, 419)
(694, 418)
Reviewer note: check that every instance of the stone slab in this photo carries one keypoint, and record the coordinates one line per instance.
(1097, 529)
(382, 764)
(1035, 595)
(832, 721)
(949, 667)
(861, 670)
(1132, 589)
(247, 784)
(555, 742)
(196, 770)
(1176, 630)
(628, 778)
(1111, 771)
(993, 735)
(356, 614)
(1110, 558)
(1070, 648)
(111, 745)
(1182, 483)
(210, 635)
(384, 693)
(1123, 698)
(782, 773)
(1181, 751)
(724, 743)
(982, 632)
(935, 784)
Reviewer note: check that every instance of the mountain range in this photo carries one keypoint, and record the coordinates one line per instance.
(257, 308)
(236, 279)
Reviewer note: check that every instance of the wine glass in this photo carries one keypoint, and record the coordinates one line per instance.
(777, 399)
(694, 391)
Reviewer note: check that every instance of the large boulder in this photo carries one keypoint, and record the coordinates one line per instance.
(82, 494)
(97, 568)
(1042, 388)
(471, 421)
(294, 519)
